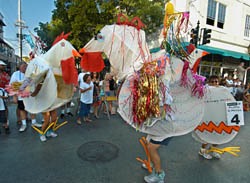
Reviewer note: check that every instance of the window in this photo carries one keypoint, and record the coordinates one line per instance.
(247, 26)
(221, 16)
(213, 12)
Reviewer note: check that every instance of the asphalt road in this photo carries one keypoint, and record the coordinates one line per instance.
(105, 151)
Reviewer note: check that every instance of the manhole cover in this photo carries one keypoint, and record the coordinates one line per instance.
(98, 151)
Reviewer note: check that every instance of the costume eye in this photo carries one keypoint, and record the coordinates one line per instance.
(99, 37)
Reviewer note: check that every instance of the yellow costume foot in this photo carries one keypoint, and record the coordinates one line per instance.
(52, 124)
(230, 150)
(55, 126)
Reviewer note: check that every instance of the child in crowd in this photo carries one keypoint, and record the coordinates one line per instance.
(3, 119)
(96, 99)
(230, 84)
(107, 92)
(86, 89)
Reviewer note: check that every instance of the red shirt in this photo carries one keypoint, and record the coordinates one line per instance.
(4, 79)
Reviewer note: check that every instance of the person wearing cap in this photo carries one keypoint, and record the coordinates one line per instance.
(4, 80)
(4, 77)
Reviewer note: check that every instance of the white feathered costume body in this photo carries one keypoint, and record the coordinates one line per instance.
(47, 70)
(128, 53)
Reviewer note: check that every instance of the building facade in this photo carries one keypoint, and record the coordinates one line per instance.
(7, 53)
(229, 21)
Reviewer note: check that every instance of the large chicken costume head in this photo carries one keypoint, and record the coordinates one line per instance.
(56, 71)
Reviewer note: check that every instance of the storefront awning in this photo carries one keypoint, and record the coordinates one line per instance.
(223, 52)
(213, 50)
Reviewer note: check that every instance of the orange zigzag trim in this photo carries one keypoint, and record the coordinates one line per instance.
(222, 127)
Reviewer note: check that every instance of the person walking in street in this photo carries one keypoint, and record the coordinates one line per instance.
(48, 117)
(18, 76)
(158, 173)
(86, 89)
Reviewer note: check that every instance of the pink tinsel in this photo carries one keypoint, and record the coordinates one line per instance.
(198, 87)
(184, 79)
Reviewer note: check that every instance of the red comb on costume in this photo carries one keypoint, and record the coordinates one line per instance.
(62, 36)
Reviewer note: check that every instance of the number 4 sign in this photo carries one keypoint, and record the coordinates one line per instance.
(235, 114)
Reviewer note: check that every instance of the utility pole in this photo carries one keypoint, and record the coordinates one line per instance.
(20, 30)
(20, 25)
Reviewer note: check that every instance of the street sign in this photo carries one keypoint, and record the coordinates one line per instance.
(235, 116)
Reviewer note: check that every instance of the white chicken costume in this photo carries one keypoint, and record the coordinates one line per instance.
(175, 86)
(127, 50)
(56, 71)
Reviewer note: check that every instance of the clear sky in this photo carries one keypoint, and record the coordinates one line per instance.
(33, 12)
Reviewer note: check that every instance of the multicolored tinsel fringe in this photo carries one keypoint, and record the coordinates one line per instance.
(145, 91)
(174, 25)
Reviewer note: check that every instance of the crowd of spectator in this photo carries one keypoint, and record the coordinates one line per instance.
(91, 88)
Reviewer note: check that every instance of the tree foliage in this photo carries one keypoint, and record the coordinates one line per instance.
(84, 18)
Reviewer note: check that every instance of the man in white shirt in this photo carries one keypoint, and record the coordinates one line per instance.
(18, 76)
(241, 71)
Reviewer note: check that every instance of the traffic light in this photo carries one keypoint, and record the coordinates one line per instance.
(206, 36)
(194, 36)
